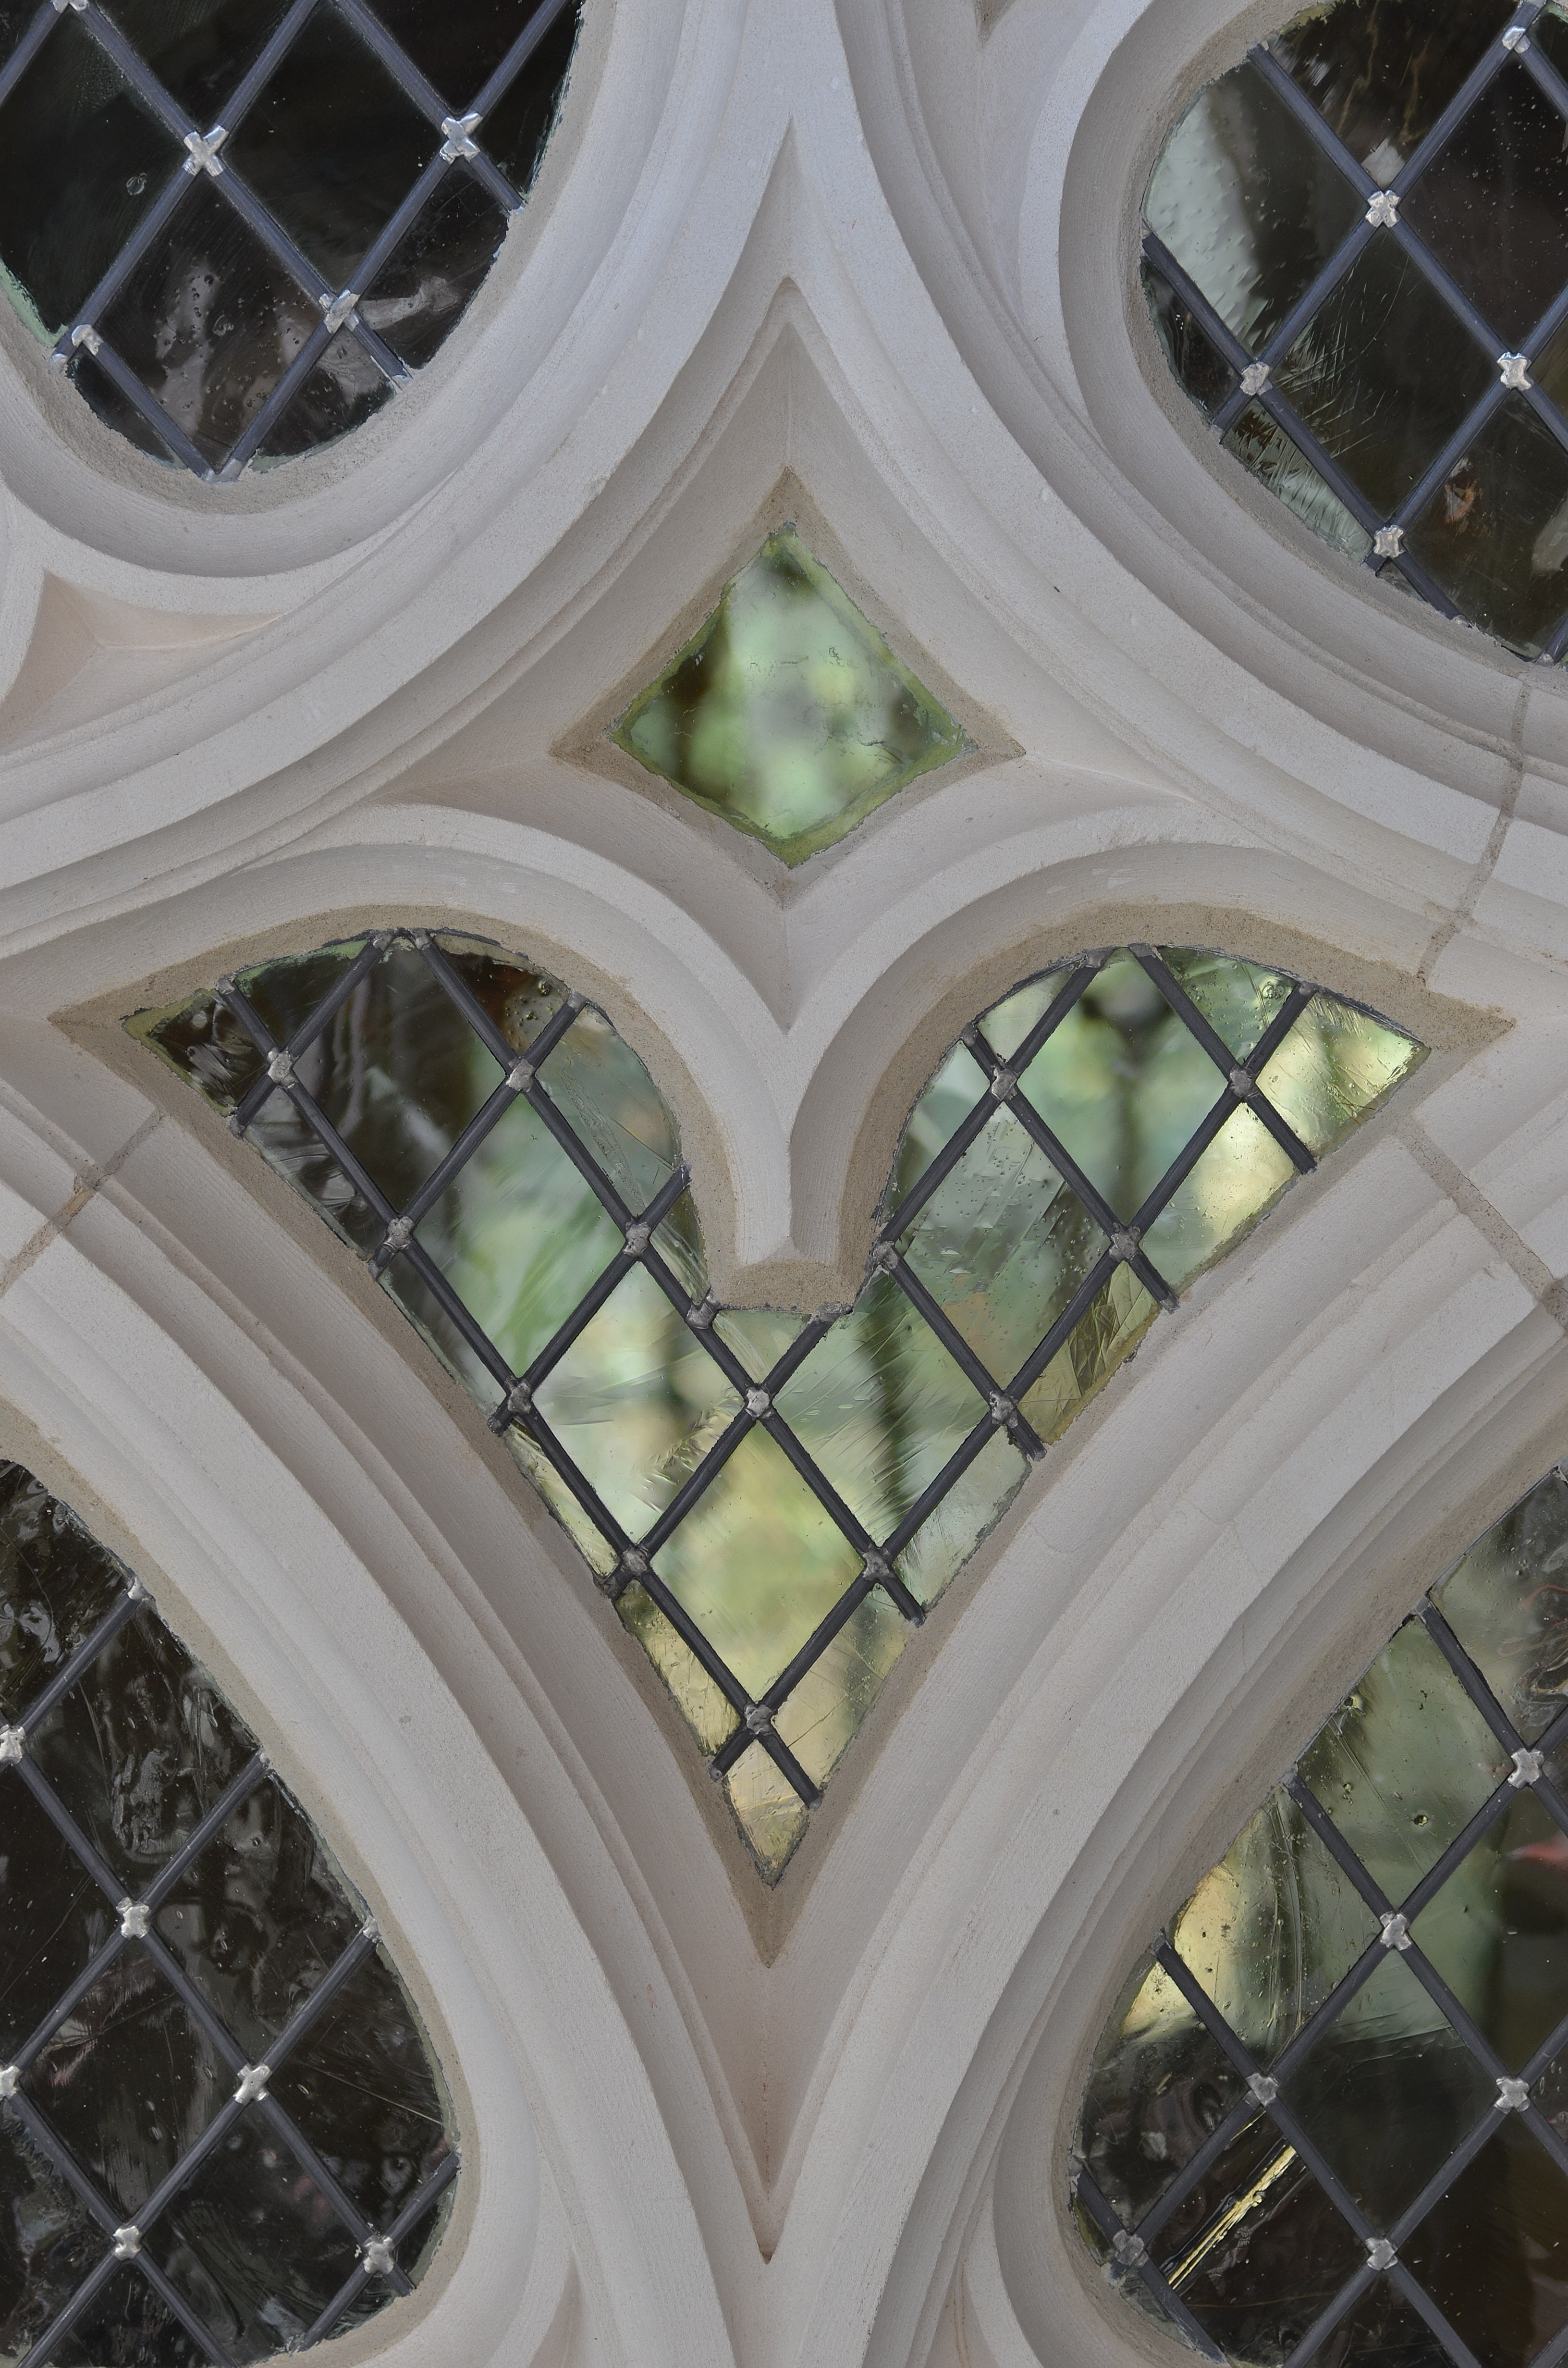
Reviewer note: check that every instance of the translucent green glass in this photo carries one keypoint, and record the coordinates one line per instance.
(1380, 2039)
(1260, 444)
(138, 1752)
(885, 1405)
(787, 713)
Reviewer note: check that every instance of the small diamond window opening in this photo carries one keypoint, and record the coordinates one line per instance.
(772, 1498)
(240, 225)
(1355, 254)
(222, 2132)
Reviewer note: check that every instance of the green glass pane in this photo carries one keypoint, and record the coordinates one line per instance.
(1497, 1932)
(787, 713)
(1494, 2253)
(1404, 1762)
(1121, 1083)
(625, 1413)
(1389, 2092)
(1234, 1182)
(1507, 1603)
(1381, 71)
(1260, 444)
(771, 1815)
(81, 158)
(1493, 206)
(758, 1563)
(1105, 1339)
(1270, 2258)
(1337, 1067)
(1248, 203)
(1383, 373)
(1160, 2087)
(881, 1406)
(637, 1402)
(1001, 1244)
(1494, 534)
(1194, 357)
(1273, 1928)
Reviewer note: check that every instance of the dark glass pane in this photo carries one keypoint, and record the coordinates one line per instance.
(1381, 72)
(416, 301)
(48, 2242)
(141, 1748)
(1384, 373)
(333, 145)
(1249, 204)
(1507, 1603)
(1494, 534)
(128, 2080)
(1194, 357)
(1389, 2092)
(1382, 2332)
(514, 133)
(456, 48)
(362, 2089)
(1160, 2088)
(56, 1585)
(259, 1918)
(199, 50)
(253, 2244)
(1268, 2253)
(114, 407)
(412, 2253)
(52, 1916)
(1494, 205)
(81, 159)
(15, 18)
(344, 389)
(126, 2325)
(1261, 445)
(209, 321)
(1494, 2253)
(1497, 1932)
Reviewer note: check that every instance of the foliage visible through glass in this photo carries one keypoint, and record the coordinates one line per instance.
(1367, 297)
(771, 1501)
(787, 713)
(223, 2132)
(1328, 2117)
(240, 226)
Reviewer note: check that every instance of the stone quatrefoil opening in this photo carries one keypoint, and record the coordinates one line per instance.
(1327, 2120)
(773, 1499)
(239, 225)
(1356, 256)
(222, 2132)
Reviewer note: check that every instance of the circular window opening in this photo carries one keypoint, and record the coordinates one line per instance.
(1356, 256)
(239, 225)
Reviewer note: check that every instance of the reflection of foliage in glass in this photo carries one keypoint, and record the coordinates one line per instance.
(787, 713)
(1001, 1244)
(1428, 1793)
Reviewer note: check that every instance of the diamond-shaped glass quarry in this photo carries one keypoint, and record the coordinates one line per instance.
(1367, 297)
(223, 2132)
(238, 226)
(1328, 2117)
(772, 1499)
(787, 713)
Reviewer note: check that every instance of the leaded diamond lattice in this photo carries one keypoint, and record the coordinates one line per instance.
(773, 1499)
(1328, 2119)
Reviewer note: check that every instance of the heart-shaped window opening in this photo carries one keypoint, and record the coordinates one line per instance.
(223, 2131)
(239, 224)
(774, 1498)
